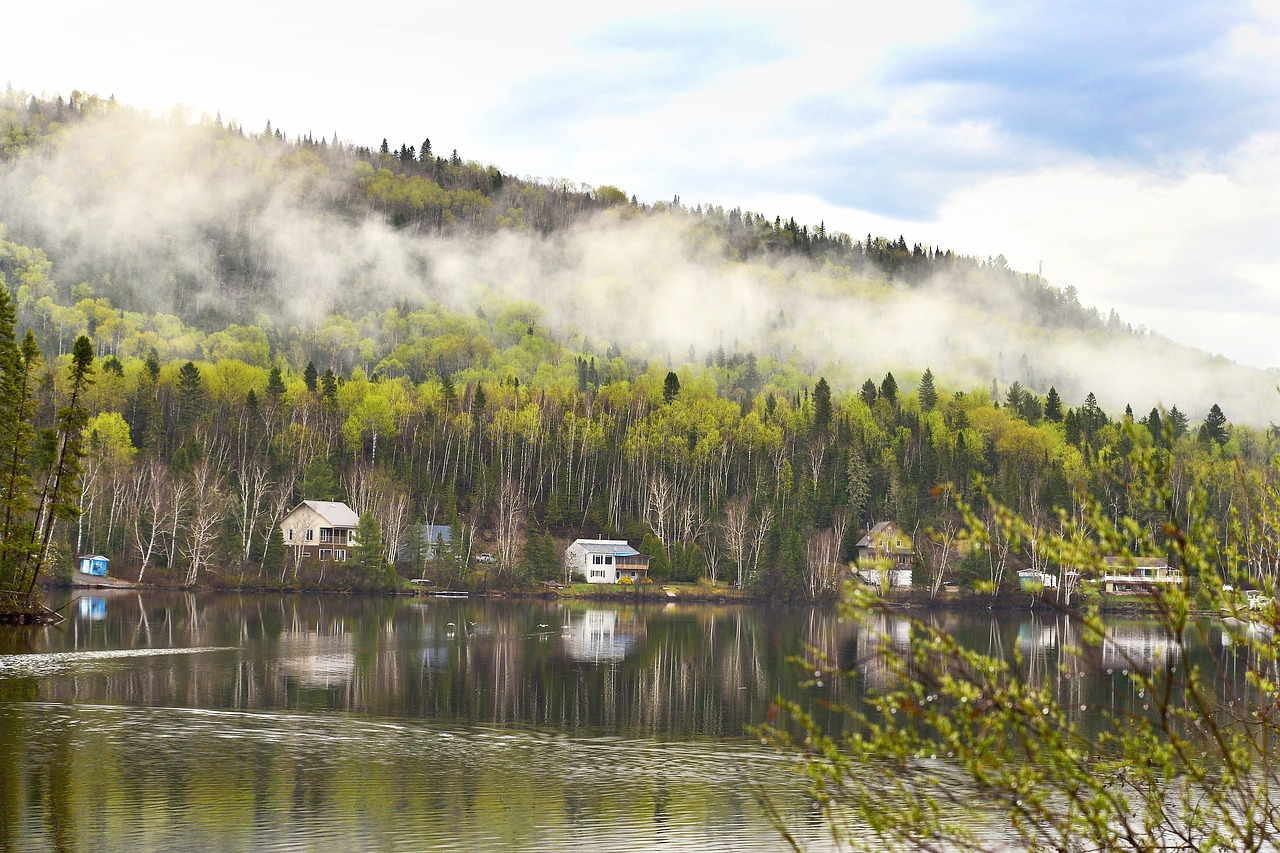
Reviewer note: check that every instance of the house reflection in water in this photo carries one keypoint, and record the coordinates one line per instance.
(600, 636)
(891, 631)
(316, 660)
(1142, 647)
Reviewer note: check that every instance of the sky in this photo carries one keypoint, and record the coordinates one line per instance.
(1130, 150)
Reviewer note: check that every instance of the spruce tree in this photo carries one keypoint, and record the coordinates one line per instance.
(1214, 429)
(670, 387)
(889, 388)
(822, 405)
(927, 394)
(60, 493)
(1053, 406)
(309, 376)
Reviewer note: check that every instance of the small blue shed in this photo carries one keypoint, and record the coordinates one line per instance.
(95, 565)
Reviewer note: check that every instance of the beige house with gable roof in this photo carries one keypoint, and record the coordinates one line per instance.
(320, 530)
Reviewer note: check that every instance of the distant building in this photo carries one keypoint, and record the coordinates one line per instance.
(435, 537)
(1138, 574)
(885, 541)
(95, 565)
(605, 561)
(323, 530)
(885, 548)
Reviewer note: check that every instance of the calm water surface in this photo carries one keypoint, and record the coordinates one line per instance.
(167, 721)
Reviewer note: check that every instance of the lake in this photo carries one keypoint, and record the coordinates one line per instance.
(163, 720)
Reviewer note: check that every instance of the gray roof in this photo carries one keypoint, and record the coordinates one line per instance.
(336, 513)
(433, 533)
(865, 541)
(617, 547)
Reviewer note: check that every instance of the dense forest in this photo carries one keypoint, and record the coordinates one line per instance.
(227, 384)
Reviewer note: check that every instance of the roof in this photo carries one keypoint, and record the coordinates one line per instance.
(433, 533)
(617, 547)
(336, 513)
(879, 529)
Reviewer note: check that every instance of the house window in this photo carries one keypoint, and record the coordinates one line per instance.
(608, 561)
(326, 534)
(597, 559)
(324, 553)
(289, 534)
(311, 535)
(339, 555)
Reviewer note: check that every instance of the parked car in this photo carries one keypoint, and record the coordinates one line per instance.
(487, 559)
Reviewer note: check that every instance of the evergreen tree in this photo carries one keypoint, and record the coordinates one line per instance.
(17, 437)
(368, 556)
(868, 392)
(927, 394)
(670, 387)
(540, 560)
(1178, 423)
(822, 405)
(1053, 406)
(1154, 424)
(1214, 429)
(275, 384)
(309, 376)
(889, 388)
(1013, 398)
(190, 396)
(60, 493)
(329, 386)
(318, 481)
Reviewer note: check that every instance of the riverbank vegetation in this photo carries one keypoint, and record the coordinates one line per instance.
(218, 402)
(1188, 764)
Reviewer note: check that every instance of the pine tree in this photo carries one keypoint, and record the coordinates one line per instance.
(927, 394)
(821, 405)
(889, 388)
(329, 386)
(1154, 424)
(1214, 429)
(670, 387)
(868, 392)
(60, 493)
(190, 395)
(17, 437)
(275, 384)
(1053, 406)
(1178, 423)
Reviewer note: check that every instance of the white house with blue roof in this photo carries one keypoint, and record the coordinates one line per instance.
(605, 561)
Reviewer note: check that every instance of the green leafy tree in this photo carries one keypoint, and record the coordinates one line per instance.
(1192, 763)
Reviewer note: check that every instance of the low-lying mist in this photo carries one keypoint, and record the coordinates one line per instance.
(198, 221)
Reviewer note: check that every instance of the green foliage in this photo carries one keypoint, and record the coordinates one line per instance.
(540, 559)
(1192, 765)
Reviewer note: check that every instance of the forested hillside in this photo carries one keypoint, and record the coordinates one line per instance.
(437, 341)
